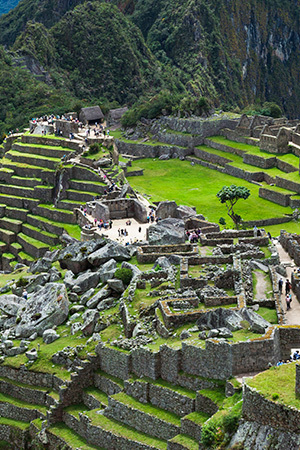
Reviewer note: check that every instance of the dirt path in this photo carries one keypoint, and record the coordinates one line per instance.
(261, 285)
(293, 315)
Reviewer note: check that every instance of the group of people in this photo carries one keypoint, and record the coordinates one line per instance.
(193, 235)
(294, 357)
(288, 289)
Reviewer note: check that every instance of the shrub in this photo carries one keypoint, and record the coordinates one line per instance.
(208, 434)
(94, 148)
(124, 274)
(21, 282)
(275, 396)
(222, 221)
(157, 268)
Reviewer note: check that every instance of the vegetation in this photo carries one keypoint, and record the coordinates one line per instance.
(230, 196)
(124, 275)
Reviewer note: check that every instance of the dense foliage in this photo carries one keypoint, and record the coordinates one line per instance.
(230, 196)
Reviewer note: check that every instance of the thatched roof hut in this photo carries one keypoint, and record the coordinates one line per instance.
(114, 115)
(91, 114)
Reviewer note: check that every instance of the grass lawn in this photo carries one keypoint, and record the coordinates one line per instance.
(198, 186)
(278, 380)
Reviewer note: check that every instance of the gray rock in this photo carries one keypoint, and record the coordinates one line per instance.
(213, 333)
(202, 335)
(90, 318)
(20, 266)
(105, 304)
(75, 256)
(69, 279)
(167, 231)
(138, 330)
(257, 323)
(73, 317)
(107, 276)
(55, 275)
(101, 295)
(225, 333)
(8, 343)
(44, 309)
(185, 334)
(73, 297)
(41, 265)
(183, 212)
(135, 270)
(164, 157)
(259, 265)
(77, 309)
(76, 289)
(10, 304)
(50, 336)
(75, 327)
(39, 280)
(86, 281)
(32, 354)
(33, 337)
(86, 296)
(110, 250)
(116, 285)
(163, 262)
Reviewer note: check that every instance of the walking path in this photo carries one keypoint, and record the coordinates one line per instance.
(292, 316)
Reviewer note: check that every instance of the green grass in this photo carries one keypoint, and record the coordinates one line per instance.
(198, 417)
(162, 383)
(32, 241)
(99, 395)
(4, 398)
(268, 314)
(5, 278)
(185, 441)
(8, 255)
(14, 423)
(125, 431)
(217, 396)
(111, 377)
(45, 233)
(8, 220)
(278, 380)
(33, 156)
(25, 255)
(243, 335)
(52, 208)
(73, 230)
(197, 186)
(51, 147)
(71, 438)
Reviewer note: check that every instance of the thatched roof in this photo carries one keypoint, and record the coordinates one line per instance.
(116, 114)
(91, 113)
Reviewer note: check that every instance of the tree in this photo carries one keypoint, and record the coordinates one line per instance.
(230, 195)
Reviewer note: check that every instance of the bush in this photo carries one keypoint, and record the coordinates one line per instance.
(21, 282)
(94, 149)
(275, 396)
(124, 274)
(222, 221)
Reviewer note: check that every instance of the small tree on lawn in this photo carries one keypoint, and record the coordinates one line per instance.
(230, 195)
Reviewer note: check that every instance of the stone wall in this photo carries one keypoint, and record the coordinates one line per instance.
(256, 408)
(114, 362)
(126, 207)
(207, 156)
(201, 127)
(145, 363)
(287, 184)
(151, 151)
(274, 196)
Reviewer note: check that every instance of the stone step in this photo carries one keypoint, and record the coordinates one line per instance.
(25, 181)
(87, 186)
(13, 225)
(27, 393)
(143, 417)
(160, 393)
(43, 236)
(19, 202)
(191, 424)
(16, 432)
(12, 407)
(209, 401)
(7, 260)
(32, 171)
(100, 430)
(93, 398)
(24, 258)
(32, 246)
(69, 205)
(17, 190)
(183, 442)
(58, 215)
(7, 236)
(15, 248)
(108, 383)
(45, 224)
(42, 150)
(16, 213)
(81, 196)
(33, 160)
(61, 436)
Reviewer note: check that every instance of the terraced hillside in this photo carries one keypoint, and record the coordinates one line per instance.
(39, 191)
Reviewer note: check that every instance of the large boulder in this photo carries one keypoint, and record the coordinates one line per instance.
(41, 265)
(166, 209)
(112, 250)
(183, 211)
(101, 295)
(166, 232)
(10, 304)
(43, 310)
(84, 281)
(107, 270)
(75, 256)
(257, 323)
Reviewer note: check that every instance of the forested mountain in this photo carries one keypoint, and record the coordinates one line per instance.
(7, 5)
(232, 53)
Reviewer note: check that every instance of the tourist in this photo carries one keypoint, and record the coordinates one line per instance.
(288, 301)
(280, 285)
(287, 287)
(255, 231)
(140, 229)
(296, 355)
(25, 294)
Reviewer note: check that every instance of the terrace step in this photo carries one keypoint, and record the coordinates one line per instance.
(108, 383)
(25, 181)
(15, 431)
(12, 407)
(43, 236)
(58, 215)
(69, 205)
(15, 248)
(7, 236)
(191, 424)
(162, 394)
(143, 417)
(16, 213)
(25, 258)
(27, 393)
(32, 246)
(42, 150)
(45, 224)
(87, 186)
(28, 158)
(17, 190)
(13, 225)
(19, 202)
(102, 430)
(81, 196)
(33, 171)
(93, 398)
(183, 442)
(208, 401)
(68, 438)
